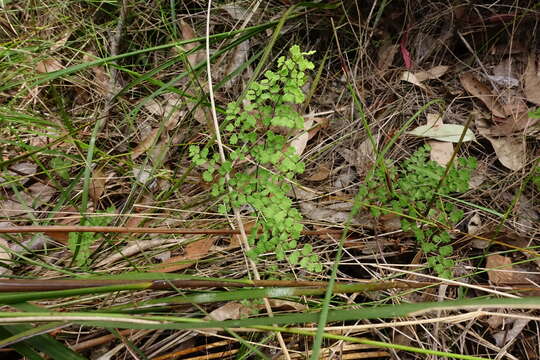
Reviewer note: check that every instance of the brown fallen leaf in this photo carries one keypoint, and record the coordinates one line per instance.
(62, 41)
(188, 34)
(137, 217)
(411, 78)
(146, 143)
(193, 59)
(322, 123)
(97, 185)
(230, 311)
(10, 208)
(441, 151)
(321, 173)
(21, 171)
(193, 252)
(512, 329)
(474, 225)
(514, 124)
(137, 247)
(503, 274)
(386, 54)
(479, 90)
(510, 150)
(365, 157)
(532, 80)
(277, 303)
(433, 73)
(101, 78)
(159, 151)
(236, 239)
(22, 203)
(237, 59)
(299, 143)
(66, 216)
(48, 65)
(333, 213)
(235, 11)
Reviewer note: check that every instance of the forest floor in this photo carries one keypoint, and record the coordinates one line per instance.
(371, 190)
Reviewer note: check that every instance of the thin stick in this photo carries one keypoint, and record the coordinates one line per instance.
(136, 230)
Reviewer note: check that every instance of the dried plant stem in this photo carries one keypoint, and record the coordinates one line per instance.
(136, 230)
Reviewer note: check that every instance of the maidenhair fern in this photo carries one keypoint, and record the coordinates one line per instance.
(257, 130)
(413, 187)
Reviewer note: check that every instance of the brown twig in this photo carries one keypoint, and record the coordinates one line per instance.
(137, 230)
(26, 285)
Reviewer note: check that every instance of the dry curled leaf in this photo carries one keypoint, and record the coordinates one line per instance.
(386, 55)
(137, 247)
(20, 171)
(236, 11)
(333, 213)
(479, 90)
(68, 215)
(514, 124)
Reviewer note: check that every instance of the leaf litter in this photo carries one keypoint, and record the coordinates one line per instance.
(506, 94)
